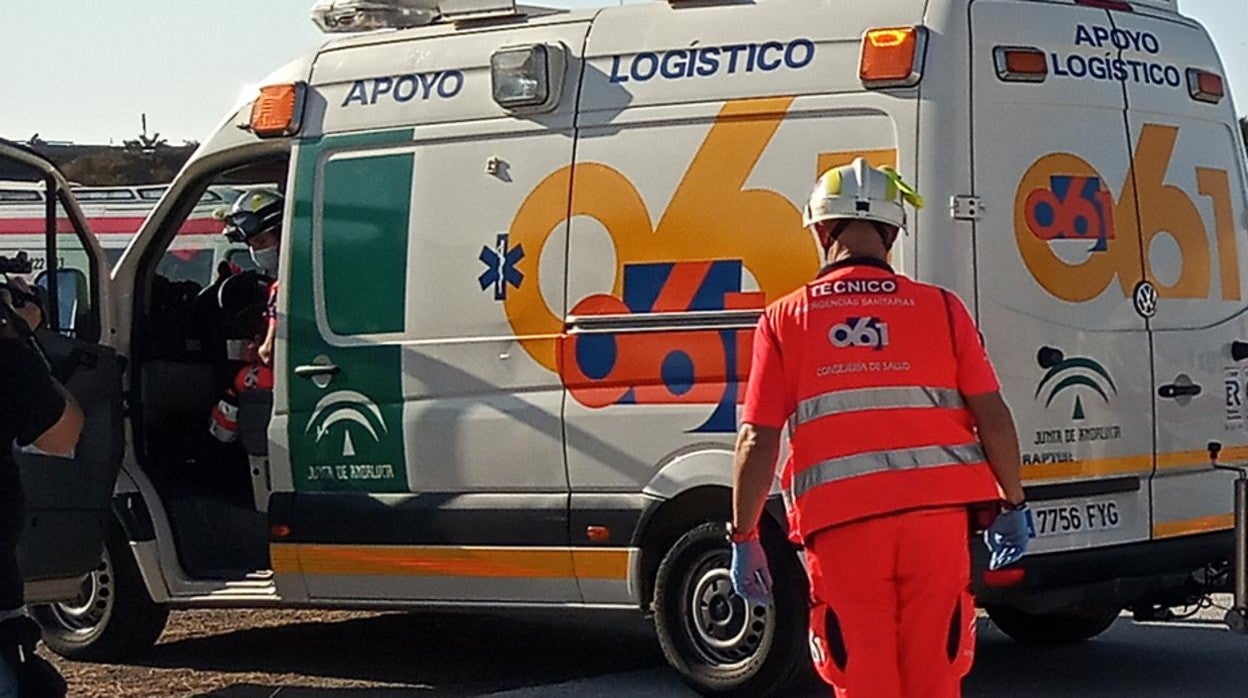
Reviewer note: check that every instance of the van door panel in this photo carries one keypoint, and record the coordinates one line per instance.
(1056, 270)
(1190, 200)
(68, 501)
(406, 278)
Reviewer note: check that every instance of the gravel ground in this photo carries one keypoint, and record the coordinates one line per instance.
(324, 654)
(300, 654)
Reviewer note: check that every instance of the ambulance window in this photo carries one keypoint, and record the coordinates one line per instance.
(364, 214)
(152, 193)
(187, 265)
(19, 196)
(104, 195)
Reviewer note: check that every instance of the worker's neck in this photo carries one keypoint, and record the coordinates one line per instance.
(840, 253)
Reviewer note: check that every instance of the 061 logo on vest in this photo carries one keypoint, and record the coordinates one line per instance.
(861, 332)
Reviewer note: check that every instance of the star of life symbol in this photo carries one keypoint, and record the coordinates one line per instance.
(500, 267)
(346, 406)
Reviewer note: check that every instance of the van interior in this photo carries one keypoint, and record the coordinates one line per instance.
(198, 306)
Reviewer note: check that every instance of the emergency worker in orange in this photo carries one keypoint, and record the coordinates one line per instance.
(896, 428)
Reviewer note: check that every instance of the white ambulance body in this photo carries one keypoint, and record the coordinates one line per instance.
(523, 254)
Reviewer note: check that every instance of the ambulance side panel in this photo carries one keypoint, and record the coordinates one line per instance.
(1189, 205)
(701, 131)
(1056, 268)
(428, 463)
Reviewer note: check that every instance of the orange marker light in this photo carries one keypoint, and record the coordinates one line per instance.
(892, 57)
(1020, 64)
(598, 534)
(280, 531)
(278, 111)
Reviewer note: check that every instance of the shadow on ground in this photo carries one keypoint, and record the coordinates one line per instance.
(473, 655)
(1189, 659)
(448, 654)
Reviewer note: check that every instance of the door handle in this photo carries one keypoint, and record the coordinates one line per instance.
(1179, 390)
(1239, 350)
(314, 370)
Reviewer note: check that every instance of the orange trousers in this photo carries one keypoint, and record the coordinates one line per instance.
(892, 614)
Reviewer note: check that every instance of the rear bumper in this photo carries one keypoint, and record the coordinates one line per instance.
(1137, 573)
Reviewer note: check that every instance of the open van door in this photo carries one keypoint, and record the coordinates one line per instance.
(68, 500)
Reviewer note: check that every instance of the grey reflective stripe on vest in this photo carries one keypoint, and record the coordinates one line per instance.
(882, 398)
(845, 467)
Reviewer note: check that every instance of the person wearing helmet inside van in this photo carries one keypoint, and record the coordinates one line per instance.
(254, 219)
(897, 432)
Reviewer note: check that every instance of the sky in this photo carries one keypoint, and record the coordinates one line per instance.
(85, 70)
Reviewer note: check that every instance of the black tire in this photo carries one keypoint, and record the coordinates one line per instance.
(113, 619)
(724, 657)
(1052, 629)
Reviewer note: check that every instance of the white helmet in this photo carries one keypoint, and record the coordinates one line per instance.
(861, 192)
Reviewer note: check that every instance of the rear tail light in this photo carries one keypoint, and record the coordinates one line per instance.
(1021, 64)
(1000, 579)
(1204, 86)
(892, 57)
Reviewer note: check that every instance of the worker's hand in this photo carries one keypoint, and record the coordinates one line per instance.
(1009, 536)
(750, 577)
(265, 352)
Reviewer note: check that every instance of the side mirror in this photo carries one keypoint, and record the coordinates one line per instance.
(73, 302)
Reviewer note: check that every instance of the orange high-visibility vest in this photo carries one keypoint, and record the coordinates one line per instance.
(879, 425)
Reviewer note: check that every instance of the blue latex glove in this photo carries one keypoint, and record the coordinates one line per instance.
(750, 577)
(1008, 537)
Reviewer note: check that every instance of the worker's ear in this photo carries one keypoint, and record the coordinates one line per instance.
(822, 235)
(888, 233)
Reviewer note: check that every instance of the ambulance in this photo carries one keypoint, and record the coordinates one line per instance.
(523, 253)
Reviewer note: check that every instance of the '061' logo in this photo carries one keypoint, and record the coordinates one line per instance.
(860, 332)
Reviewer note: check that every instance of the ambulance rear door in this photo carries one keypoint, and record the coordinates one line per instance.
(1189, 196)
(1055, 270)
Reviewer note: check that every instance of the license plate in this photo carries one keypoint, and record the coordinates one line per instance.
(1076, 516)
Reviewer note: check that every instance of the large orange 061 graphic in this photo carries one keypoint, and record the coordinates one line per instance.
(694, 258)
(1063, 197)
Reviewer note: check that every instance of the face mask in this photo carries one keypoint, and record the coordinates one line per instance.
(266, 259)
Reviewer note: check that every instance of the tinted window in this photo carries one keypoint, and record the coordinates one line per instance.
(364, 232)
(104, 195)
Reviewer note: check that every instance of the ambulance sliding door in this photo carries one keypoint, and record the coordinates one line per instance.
(426, 441)
(1189, 195)
(1057, 262)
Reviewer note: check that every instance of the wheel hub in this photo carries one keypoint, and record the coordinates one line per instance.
(85, 613)
(723, 628)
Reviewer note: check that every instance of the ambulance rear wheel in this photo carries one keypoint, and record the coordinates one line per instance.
(720, 644)
(1049, 629)
(113, 619)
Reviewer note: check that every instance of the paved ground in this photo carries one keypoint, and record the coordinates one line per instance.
(330, 655)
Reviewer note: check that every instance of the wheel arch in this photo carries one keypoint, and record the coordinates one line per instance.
(670, 519)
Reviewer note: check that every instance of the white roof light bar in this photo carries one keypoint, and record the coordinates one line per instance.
(353, 16)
